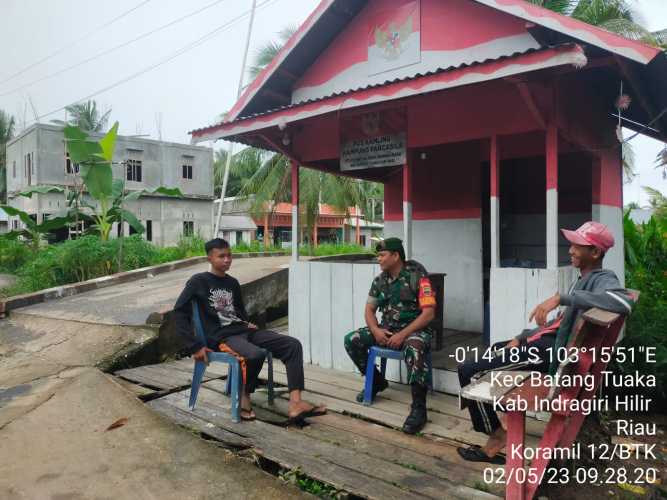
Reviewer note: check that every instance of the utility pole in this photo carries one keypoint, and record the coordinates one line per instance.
(230, 150)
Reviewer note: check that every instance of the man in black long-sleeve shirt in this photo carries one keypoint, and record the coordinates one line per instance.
(228, 329)
(596, 287)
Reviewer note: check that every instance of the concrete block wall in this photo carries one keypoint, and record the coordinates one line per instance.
(161, 166)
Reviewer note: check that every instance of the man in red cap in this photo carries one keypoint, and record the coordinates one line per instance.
(595, 287)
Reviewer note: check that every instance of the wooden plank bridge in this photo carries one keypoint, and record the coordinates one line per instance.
(354, 448)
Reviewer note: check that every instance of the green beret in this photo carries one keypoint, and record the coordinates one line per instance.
(390, 245)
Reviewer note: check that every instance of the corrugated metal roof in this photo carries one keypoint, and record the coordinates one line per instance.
(377, 85)
(331, 16)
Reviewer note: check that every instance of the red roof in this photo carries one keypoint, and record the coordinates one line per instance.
(331, 17)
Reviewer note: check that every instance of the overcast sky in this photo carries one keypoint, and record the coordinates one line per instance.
(188, 91)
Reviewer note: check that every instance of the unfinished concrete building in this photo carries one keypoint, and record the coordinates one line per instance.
(37, 156)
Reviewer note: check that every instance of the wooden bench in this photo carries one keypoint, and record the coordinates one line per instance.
(596, 331)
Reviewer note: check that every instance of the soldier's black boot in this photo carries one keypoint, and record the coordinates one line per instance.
(417, 418)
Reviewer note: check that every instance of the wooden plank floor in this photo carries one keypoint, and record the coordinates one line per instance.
(366, 459)
(338, 391)
(354, 448)
(169, 376)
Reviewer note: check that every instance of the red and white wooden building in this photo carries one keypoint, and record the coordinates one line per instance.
(490, 123)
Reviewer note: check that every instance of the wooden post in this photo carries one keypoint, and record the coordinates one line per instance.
(552, 196)
(295, 210)
(315, 234)
(407, 208)
(495, 202)
(266, 231)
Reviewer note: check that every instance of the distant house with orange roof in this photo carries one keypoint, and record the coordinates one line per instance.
(332, 226)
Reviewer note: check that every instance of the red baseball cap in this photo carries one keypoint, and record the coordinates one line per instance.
(591, 234)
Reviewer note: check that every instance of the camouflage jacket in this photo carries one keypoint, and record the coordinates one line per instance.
(401, 300)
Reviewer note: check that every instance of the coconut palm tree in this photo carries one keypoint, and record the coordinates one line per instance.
(243, 166)
(616, 16)
(267, 52)
(271, 184)
(87, 117)
(6, 133)
(658, 201)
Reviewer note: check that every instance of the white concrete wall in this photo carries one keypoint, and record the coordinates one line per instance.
(167, 214)
(613, 218)
(16, 150)
(161, 161)
(454, 247)
(515, 292)
(326, 302)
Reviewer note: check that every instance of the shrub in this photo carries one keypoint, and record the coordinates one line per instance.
(13, 254)
(254, 247)
(85, 258)
(646, 271)
(333, 249)
(190, 246)
(43, 271)
(136, 252)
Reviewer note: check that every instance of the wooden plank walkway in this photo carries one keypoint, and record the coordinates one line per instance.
(169, 376)
(360, 457)
(354, 448)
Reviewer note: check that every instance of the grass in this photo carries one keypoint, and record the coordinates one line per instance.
(310, 485)
(88, 257)
(411, 467)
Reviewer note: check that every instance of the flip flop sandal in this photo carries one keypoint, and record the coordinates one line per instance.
(300, 419)
(475, 454)
(249, 415)
(298, 422)
(315, 411)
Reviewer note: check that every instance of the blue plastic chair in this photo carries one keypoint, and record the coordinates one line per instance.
(234, 378)
(384, 354)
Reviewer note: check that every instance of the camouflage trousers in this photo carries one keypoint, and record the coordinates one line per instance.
(415, 347)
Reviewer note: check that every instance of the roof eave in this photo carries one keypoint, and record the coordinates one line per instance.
(570, 54)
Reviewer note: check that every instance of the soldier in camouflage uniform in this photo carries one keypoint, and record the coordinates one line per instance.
(405, 298)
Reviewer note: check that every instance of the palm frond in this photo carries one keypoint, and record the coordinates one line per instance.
(628, 157)
(564, 7)
(7, 124)
(263, 57)
(87, 117)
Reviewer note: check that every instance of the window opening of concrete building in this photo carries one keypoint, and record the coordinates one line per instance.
(239, 237)
(70, 168)
(187, 166)
(27, 168)
(14, 168)
(188, 228)
(149, 230)
(134, 164)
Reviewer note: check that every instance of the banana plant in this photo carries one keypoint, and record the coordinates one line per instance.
(32, 232)
(95, 159)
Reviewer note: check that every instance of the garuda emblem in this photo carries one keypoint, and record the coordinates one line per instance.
(391, 41)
